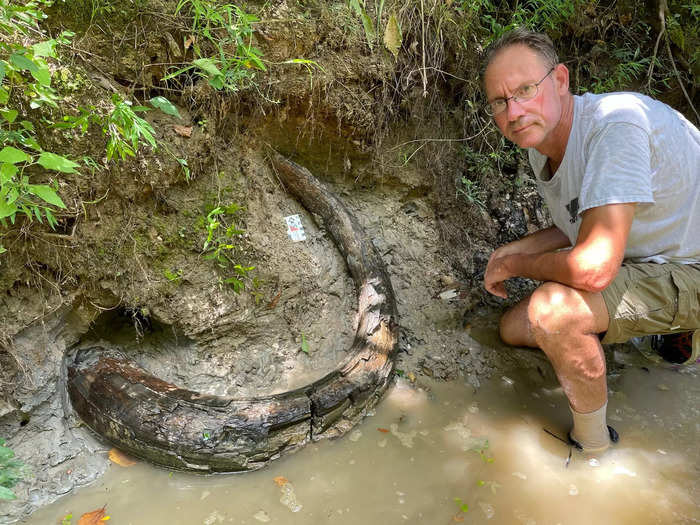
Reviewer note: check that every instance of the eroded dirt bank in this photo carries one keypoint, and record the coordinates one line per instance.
(134, 261)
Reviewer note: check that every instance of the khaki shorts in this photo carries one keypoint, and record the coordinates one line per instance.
(648, 298)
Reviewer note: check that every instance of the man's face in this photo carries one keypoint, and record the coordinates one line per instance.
(527, 123)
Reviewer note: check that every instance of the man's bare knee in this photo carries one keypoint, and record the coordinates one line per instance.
(552, 310)
(558, 310)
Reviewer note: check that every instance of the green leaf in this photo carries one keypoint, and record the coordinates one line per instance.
(6, 493)
(369, 29)
(51, 161)
(2, 249)
(6, 454)
(46, 193)
(13, 155)
(176, 73)
(207, 65)
(4, 95)
(45, 49)
(304, 344)
(7, 210)
(30, 142)
(214, 75)
(165, 106)
(22, 62)
(9, 114)
(27, 125)
(379, 12)
(51, 219)
(217, 82)
(7, 171)
(43, 76)
(367, 23)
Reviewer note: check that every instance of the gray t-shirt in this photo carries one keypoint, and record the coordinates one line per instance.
(627, 147)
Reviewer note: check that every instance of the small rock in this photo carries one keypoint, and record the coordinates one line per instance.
(488, 509)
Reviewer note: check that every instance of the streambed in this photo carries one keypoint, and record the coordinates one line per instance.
(432, 447)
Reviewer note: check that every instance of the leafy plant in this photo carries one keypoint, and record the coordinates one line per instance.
(17, 195)
(124, 129)
(173, 276)
(25, 76)
(219, 246)
(359, 7)
(11, 471)
(471, 191)
(631, 65)
(228, 30)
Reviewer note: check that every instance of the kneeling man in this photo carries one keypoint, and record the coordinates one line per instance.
(620, 174)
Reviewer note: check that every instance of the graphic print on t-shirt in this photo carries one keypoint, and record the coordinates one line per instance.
(572, 208)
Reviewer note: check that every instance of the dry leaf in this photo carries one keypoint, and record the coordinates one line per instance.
(189, 42)
(121, 459)
(392, 36)
(96, 517)
(281, 481)
(183, 131)
(274, 301)
(458, 518)
(385, 430)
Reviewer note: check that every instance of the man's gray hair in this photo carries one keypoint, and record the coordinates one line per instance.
(538, 42)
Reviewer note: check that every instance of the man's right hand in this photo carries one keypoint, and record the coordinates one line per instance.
(497, 271)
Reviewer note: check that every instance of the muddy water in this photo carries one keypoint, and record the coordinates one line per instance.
(430, 449)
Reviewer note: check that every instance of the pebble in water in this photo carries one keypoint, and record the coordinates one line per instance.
(406, 438)
(262, 516)
(214, 517)
(488, 509)
(469, 442)
(289, 498)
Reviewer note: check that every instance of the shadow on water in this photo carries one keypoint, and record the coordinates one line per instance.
(434, 449)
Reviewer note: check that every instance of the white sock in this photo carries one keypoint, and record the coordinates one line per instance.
(591, 429)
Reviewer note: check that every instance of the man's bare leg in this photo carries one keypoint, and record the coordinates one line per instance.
(565, 322)
(515, 326)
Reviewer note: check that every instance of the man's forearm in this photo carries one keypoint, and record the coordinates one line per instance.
(546, 240)
(559, 266)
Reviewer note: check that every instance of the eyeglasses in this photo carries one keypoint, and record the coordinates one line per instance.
(522, 94)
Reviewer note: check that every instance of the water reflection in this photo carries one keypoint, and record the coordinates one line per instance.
(441, 453)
